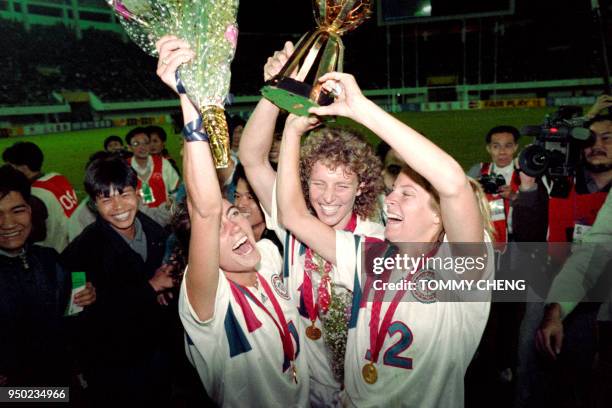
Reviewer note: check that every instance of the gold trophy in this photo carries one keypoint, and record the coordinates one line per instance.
(334, 18)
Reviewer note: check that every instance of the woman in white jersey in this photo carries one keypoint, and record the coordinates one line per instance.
(404, 348)
(340, 176)
(242, 331)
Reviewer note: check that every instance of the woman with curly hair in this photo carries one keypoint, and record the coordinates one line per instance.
(341, 180)
(405, 347)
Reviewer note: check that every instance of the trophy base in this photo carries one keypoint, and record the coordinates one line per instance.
(293, 96)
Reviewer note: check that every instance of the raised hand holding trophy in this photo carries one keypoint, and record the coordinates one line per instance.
(334, 18)
(209, 26)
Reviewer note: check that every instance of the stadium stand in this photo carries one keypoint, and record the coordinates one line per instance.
(100, 62)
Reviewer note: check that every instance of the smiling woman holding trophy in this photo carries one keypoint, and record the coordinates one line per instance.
(341, 178)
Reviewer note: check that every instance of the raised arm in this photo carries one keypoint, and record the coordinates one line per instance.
(204, 199)
(292, 209)
(460, 212)
(258, 134)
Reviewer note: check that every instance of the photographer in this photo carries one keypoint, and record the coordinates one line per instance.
(500, 181)
(499, 178)
(561, 209)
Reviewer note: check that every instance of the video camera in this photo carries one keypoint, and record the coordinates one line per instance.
(557, 146)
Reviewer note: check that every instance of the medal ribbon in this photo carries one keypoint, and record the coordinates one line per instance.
(281, 323)
(377, 337)
(310, 265)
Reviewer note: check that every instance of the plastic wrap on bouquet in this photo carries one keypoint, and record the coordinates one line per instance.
(209, 26)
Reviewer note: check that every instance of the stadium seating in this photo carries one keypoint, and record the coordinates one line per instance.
(48, 59)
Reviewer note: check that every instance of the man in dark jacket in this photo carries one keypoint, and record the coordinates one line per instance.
(122, 253)
(34, 293)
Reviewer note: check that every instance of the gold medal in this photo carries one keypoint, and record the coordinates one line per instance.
(313, 332)
(294, 373)
(369, 373)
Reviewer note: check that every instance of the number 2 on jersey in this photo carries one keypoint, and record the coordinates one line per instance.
(392, 355)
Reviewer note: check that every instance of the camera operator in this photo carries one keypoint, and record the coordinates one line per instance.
(569, 215)
(543, 212)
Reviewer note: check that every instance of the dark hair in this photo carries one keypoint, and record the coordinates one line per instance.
(101, 154)
(137, 130)
(106, 173)
(382, 149)
(599, 118)
(156, 129)
(233, 121)
(503, 129)
(24, 153)
(112, 138)
(239, 174)
(13, 180)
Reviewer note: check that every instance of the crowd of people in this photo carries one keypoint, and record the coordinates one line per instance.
(97, 64)
(252, 285)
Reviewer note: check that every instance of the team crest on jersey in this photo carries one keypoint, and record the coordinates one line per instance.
(279, 286)
(421, 292)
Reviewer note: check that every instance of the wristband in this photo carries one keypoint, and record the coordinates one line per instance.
(191, 132)
(180, 88)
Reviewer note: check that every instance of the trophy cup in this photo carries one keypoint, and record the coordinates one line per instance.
(334, 18)
(209, 26)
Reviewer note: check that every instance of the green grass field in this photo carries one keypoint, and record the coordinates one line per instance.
(461, 133)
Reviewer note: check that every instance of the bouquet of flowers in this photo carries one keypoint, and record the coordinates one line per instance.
(209, 26)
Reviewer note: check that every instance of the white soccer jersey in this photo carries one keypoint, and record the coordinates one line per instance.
(324, 389)
(427, 348)
(241, 368)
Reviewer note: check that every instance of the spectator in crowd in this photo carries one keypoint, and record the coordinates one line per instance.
(392, 164)
(157, 179)
(53, 189)
(158, 137)
(122, 253)
(275, 148)
(341, 180)
(34, 293)
(247, 203)
(237, 319)
(562, 210)
(86, 212)
(235, 126)
(113, 143)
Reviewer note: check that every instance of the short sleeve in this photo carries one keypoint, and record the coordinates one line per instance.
(271, 260)
(222, 298)
(348, 254)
